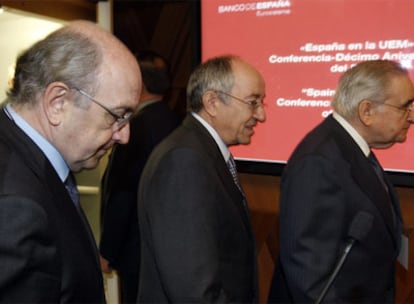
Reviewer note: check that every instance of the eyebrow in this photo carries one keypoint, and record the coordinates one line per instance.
(258, 96)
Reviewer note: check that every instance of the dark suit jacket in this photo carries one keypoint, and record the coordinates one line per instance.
(326, 183)
(196, 238)
(46, 253)
(120, 236)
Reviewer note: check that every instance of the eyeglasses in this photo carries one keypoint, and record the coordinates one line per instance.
(121, 120)
(407, 108)
(254, 104)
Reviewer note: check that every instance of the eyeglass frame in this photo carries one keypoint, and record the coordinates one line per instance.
(253, 104)
(121, 120)
(407, 108)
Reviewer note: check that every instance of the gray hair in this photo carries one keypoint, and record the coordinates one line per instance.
(366, 80)
(66, 55)
(215, 74)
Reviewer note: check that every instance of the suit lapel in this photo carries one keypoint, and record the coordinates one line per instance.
(365, 176)
(42, 168)
(223, 172)
(65, 205)
(213, 151)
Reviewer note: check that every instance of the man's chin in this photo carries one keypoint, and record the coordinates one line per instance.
(245, 141)
(90, 163)
(401, 138)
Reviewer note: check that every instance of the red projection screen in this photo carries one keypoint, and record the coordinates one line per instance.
(302, 47)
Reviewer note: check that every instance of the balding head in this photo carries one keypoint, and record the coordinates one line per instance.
(110, 46)
(78, 54)
(77, 88)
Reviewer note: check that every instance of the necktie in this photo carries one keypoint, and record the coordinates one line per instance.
(70, 185)
(378, 169)
(72, 189)
(232, 167)
(380, 173)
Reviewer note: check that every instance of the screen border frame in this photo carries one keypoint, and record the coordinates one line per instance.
(398, 178)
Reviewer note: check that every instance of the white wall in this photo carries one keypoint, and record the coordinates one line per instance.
(19, 30)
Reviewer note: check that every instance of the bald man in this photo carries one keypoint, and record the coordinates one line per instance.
(197, 243)
(72, 96)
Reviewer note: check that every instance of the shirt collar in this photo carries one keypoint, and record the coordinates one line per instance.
(353, 133)
(222, 146)
(47, 148)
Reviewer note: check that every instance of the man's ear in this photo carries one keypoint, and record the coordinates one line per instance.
(366, 112)
(210, 102)
(55, 101)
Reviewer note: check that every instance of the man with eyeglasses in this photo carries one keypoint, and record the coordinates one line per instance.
(340, 219)
(197, 243)
(72, 96)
